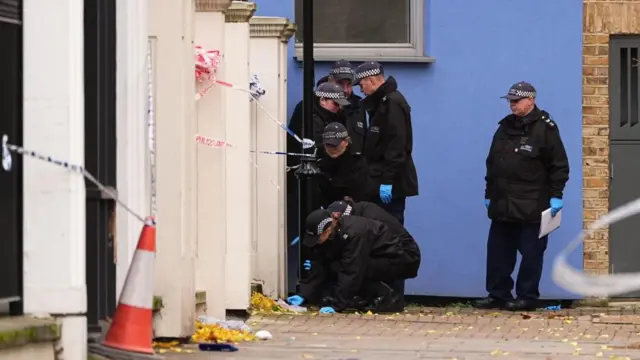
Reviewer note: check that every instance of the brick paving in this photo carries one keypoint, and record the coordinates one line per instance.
(437, 334)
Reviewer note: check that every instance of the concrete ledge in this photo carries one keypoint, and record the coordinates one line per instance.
(19, 331)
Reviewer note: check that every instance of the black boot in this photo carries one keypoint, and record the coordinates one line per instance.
(489, 303)
(386, 300)
(521, 305)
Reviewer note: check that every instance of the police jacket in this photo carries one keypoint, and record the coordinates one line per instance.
(390, 140)
(410, 246)
(346, 254)
(526, 166)
(346, 175)
(321, 118)
(355, 118)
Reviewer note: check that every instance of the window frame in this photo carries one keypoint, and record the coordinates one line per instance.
(414, 51)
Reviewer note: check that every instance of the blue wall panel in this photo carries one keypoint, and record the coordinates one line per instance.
(481, 48)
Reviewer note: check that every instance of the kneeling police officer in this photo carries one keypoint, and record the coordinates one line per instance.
(349, 253)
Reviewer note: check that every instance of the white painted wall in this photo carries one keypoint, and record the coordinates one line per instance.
(54, 198)
(171, 28)
(212, 192)
(239, 207)
(268, 62)
(133, 174)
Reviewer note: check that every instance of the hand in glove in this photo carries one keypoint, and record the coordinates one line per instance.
(487, 202)
(327, 310)
(307, 265)
(295, 241)
(385, 193)
(556, 206)
(295, 300)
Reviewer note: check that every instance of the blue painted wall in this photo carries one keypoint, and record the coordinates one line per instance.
(481, 48)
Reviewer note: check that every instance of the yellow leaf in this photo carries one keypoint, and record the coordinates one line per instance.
(599, 354)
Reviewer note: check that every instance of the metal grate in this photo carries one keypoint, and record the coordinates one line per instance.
(629, 87)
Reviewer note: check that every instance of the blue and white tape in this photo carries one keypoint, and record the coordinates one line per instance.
(8, 148)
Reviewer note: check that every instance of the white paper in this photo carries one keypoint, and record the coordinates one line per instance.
(549, 223)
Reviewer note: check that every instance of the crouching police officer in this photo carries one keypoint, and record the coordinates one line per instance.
(349, 253)
(374, 212)
(527, 169)
(389, 142)
(355, 118)
(344, 170)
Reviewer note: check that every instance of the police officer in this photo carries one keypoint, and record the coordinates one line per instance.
(372, 211)
(527, 169)
(349, 252)
(355, 118)
(344, 170)
(331, 99)
(389, 139)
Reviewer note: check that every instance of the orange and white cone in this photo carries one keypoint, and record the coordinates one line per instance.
(131, 327)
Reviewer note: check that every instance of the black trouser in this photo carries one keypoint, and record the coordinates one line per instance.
(395, 208)
(506, 239)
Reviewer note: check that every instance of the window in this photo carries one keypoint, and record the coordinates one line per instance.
(360, 30)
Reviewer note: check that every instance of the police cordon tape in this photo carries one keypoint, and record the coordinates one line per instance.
(207, 62)
(581, 283)
(221, 144)
(7, 164)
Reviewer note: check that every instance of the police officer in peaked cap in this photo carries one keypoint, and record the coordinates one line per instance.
(344, 169)
(389, 142)
(349, 253)
(527, 169)
(331, 99)
(342, 73)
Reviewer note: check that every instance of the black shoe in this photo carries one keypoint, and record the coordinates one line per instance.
(387, 300)
(521, 305)
(489, 303)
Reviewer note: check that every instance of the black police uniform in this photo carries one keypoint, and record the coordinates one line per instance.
(526, 166)
(389, 141)
(355, 118)
(359, 251)
(372, 211)
(346, 175)
(323, 117)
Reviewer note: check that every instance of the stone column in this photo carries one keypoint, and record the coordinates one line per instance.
(171, 30)
(238, 167)
(268, 63)
(212, 194)
(54, 198)
(286, 34)
(133, 173)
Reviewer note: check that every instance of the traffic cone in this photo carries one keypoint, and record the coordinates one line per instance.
(131, 328)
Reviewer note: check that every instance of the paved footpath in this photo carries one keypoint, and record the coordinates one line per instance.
(433, 334)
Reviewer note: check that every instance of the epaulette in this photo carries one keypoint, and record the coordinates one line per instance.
(549, 121)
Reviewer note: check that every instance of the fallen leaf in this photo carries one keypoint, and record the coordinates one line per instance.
(526, 316)
(307, 356)
(599, 354)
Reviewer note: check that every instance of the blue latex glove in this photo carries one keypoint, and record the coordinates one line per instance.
(327, 310)
(385, 193)
(556, 205)
(295, 241)
(307, 264)
(487, 202)
(295, 300)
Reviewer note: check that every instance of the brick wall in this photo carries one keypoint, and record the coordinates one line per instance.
(601, 18)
